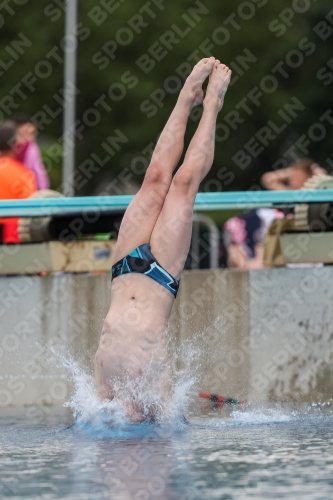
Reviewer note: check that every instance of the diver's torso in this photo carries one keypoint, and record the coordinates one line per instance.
(134, 339)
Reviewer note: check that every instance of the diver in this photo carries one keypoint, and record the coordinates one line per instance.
(131, 363)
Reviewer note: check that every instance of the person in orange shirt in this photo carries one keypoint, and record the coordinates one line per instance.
(16, 181)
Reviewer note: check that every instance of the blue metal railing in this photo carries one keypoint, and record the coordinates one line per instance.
(204, 202)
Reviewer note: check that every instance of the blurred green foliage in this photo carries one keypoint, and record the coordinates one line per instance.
(53, 164)
(110, 44)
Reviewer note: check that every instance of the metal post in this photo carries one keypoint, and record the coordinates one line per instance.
(69, 98)
(213, 240)
(195, 249)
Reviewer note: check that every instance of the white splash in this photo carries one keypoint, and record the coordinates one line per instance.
(90, 412)
(261, 416)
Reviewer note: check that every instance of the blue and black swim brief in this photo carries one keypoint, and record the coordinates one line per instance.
(141, 260)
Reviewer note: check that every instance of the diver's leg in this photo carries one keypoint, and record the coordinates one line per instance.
(142, 213)
(171, 236)
(170, 145)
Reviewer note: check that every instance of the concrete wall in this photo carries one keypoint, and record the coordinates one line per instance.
(210, 321)
(263, 335)
(291, 329)
(40, 316)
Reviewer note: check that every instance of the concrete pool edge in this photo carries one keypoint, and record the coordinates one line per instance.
(261, 335)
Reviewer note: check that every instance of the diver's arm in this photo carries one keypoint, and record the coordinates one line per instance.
(277, 180)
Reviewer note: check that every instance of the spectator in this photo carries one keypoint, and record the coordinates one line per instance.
(28, 152)
(292, 177)
(243, 235)
(16, 181)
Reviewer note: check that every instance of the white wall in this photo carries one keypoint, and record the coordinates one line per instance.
(291, 328)
(263, 335)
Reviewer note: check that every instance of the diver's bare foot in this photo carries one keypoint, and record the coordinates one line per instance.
(193, 85)
(219, 80)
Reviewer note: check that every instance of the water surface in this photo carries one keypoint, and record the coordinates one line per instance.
(230, 453)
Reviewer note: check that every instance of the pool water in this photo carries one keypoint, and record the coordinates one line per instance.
(229, 453)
